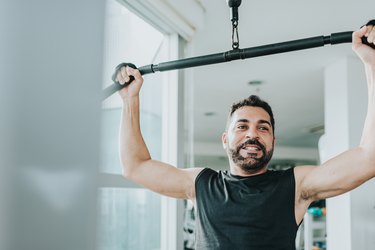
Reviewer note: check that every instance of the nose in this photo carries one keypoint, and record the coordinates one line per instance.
(252, 133)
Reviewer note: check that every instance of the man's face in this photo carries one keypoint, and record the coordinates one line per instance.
(249, 141)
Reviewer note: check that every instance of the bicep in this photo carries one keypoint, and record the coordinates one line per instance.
(166, 179)
(336, 176)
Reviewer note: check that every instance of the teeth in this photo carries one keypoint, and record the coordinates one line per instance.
(252, 148)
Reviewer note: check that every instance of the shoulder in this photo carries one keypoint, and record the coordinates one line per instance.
(301, 176)
(281, 174)
(301, 172)
(284, 178)
(203, 173)
(193, 173)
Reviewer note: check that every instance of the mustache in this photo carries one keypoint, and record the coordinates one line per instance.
(251, 142)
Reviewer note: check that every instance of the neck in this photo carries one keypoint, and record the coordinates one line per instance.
(236, 170)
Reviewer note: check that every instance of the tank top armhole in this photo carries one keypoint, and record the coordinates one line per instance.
(200, 175)
(293, 185)
(198, 178)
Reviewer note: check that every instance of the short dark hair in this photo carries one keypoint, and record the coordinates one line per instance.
(252, 101)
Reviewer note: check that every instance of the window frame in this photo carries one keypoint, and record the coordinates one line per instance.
(172, 147)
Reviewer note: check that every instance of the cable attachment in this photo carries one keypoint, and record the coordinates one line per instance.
(235, 37)
(233, 5)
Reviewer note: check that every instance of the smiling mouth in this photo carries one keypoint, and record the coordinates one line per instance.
(251, 148)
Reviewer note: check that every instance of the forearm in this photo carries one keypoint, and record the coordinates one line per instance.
(368, 135)
(133, 150)
(138, 166)
(367, 144)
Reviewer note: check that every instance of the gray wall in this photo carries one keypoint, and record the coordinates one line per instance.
(51, 68)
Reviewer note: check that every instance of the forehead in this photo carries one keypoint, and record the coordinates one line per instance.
(252, 114)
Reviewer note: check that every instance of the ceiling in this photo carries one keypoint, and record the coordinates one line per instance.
(292, 82)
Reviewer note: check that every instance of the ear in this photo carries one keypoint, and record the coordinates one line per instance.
(224, 140)
(274, 141)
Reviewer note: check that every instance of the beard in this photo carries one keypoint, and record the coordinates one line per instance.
(251, 163)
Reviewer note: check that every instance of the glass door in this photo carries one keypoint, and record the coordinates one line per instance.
(129, 215)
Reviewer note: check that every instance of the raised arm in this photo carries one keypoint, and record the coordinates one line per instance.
(353, 167)
(135, 157)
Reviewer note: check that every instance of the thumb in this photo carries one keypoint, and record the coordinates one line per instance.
(135, 73)
(357, 36)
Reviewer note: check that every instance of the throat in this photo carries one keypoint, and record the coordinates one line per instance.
(238, 171)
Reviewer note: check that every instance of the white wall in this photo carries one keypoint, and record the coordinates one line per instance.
(350, 217)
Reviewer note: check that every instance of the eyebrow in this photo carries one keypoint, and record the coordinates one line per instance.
(265, 121)
(259, 122)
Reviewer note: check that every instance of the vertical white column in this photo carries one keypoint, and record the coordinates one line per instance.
(53, 57)
(335, 141)
(172, 209)
(351, 215)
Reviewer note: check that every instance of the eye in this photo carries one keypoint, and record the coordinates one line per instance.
(264, 128)
(242, 127)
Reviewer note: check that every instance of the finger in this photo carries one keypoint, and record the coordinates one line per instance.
(371, 34)
(368, 30)
(134, 72)
(119, 78)
(122, 76)
(357, 35)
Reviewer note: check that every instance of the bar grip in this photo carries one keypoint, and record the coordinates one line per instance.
(340, 37)
(346, 37)
(364, 41)
(116, 86)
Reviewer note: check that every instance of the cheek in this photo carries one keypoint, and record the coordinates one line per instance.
(269, 144)
(234, 142)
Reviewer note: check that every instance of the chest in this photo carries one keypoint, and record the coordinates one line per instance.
(244, 202)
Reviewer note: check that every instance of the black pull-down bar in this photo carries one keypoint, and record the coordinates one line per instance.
(235, 54)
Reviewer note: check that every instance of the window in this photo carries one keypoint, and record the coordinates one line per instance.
(129, 217)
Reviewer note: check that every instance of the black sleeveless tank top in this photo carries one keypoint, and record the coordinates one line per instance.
(252, 213)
